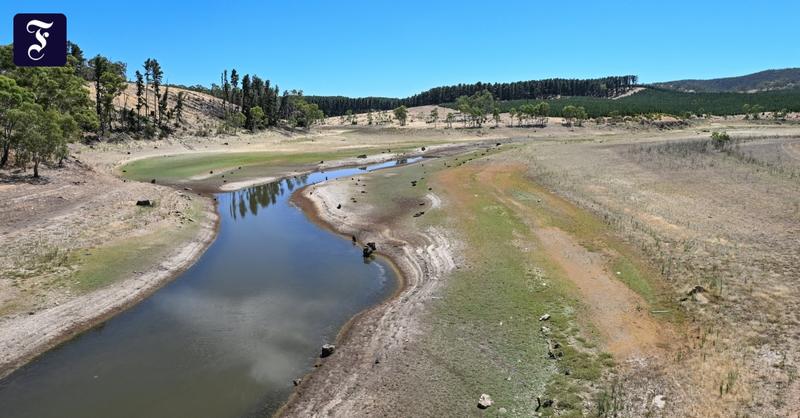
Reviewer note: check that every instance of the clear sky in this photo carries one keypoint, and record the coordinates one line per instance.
(397, 48)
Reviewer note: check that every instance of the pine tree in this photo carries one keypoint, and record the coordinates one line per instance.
(226, 89)
(148, 72)
(246, 101)
(235, 84)
(179, 108)
(140, 91)
(162, 106)
(158, 76)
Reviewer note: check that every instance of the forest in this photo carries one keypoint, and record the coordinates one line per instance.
(657, 100)
(519, 90)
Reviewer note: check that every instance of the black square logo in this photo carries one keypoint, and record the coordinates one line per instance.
(40, 40)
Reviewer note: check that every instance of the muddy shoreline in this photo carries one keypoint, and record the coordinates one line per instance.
(340, 383)
(345, 333)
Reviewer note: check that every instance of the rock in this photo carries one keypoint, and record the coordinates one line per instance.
(545, 330)
(423, 148)
(485, 401)
(211, 172)
(553, 349)
(696, 289)
(366, 251)
(144, 202)
(372, 245)
(418, 214)
(362, 156)
(700, 298)
(188, 189)
(297, 382)
(153, 181)
(543, 403)
(659, 401)
(544, 317)
(354, 239)
(327, 350)
(339, 206)
(697, 293)
(502, 411)
(322, 162)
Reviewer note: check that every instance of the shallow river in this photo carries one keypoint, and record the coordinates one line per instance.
(225, 338)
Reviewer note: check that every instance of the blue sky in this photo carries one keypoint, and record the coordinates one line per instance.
(397, 48)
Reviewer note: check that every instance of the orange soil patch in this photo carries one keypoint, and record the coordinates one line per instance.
(621, 316)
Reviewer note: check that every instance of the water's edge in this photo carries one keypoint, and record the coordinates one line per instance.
(206, 237)
(214, 231)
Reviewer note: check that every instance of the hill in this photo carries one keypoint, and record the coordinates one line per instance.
(201, 112)
(787, 78)
(659, 100)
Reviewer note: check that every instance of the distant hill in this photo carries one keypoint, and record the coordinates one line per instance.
(788, 78)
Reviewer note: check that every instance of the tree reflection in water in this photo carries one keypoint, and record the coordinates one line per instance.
(250, 200)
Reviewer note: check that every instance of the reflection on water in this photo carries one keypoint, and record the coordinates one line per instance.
(252, 199)
(226, 338)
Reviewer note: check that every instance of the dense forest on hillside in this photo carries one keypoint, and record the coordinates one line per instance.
(527, 90)
(787, 78)
(654, 100)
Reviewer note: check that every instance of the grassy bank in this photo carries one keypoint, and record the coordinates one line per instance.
(175, 168)
(104, 265)
(484, 334)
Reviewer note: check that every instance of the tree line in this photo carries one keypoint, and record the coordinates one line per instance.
(680, 104)
(256, 104)
(526, 90)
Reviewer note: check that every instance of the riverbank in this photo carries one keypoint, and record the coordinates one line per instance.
(92, 253)
(89, 253)
(423, 258)
(25, 337)
(478, 273)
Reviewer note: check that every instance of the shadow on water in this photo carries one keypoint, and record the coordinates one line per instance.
(224, 339)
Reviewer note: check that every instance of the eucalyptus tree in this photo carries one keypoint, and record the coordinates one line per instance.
(401, 114)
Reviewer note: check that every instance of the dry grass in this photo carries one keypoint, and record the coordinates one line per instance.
(726, 219)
